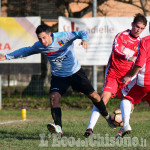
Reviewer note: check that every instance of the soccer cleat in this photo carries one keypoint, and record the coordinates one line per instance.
(123, 131)
(55, 129)
(88, 132)
(109, 121)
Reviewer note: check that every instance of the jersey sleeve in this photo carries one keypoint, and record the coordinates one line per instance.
(23, 52)
(141, 57)
(83, 35)
(118, 46)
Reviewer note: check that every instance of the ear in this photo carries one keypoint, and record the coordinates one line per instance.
(132, 24)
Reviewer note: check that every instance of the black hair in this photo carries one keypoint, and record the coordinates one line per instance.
(42, 28)
(140, 18)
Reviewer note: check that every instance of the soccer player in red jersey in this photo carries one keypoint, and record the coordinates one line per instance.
(124, 52)
(135, 90)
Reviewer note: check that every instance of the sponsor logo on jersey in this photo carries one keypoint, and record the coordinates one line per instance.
(60, 59)
(135, 48)
(61, 43)
(54, 53)
(108, 87)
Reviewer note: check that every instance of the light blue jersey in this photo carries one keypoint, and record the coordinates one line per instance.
(60, 53)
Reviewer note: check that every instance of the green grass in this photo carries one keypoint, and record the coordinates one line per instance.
(74, 100)
(24, 135)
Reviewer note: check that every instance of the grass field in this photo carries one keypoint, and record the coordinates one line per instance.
(32, 134)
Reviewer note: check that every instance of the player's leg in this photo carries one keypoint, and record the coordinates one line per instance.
(106, 94)
(93, 118)
(132, 108)
(81, 83)
(129, 97)
(95, 113)
(98, 102)
(120, 87)
(55, 108)
(58, 87)
(125, 107)
(108, 91)
(92, 122)
(55, 127)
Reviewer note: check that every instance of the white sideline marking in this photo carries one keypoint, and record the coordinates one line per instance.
(11, 121)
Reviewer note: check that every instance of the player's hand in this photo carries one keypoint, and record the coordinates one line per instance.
(85, 44)
(2, 58)
(126, 80)
(132, 59)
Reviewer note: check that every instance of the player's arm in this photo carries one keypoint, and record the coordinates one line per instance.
(83, 35)
(133, 59)
(22, 52)
(133, 72)
(85, 44)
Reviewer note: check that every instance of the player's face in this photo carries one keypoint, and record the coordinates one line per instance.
(137, 28)
(45, 38)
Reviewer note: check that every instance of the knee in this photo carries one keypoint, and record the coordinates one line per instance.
(132, 107)
(105, 100)
(95, 97)
(55, 99)
(105, 97)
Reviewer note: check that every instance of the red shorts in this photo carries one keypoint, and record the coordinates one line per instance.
(113, 86)
(136, 93)
(146, 98)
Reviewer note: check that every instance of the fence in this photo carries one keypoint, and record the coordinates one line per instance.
(17, 84)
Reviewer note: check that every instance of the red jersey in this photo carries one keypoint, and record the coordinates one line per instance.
(124, 47)
(143, 60)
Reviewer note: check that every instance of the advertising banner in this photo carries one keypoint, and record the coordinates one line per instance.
(101, 31)
(18, 32)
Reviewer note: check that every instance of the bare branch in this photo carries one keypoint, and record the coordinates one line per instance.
(143, 6)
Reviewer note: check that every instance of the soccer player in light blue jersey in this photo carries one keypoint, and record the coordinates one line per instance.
(66, 71)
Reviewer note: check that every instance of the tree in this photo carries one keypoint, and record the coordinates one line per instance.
(142, 5)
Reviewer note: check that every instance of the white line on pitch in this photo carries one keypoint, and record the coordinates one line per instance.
(13, 121)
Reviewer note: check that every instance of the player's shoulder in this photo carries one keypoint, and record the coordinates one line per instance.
(145, 41)
(38, 44)
(126, 32)
(60, 34)
(146, 38)
(123, 33)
